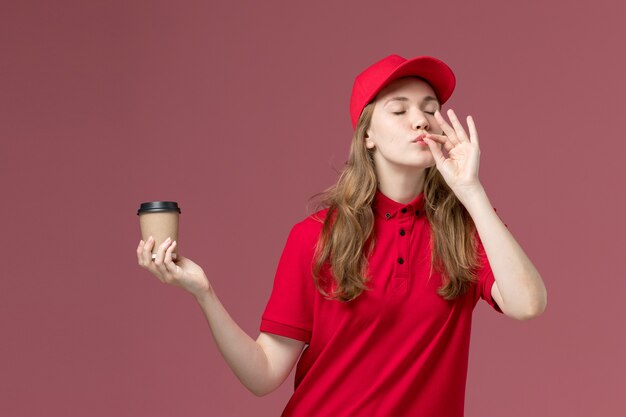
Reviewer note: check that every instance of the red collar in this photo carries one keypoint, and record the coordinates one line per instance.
(387, 208)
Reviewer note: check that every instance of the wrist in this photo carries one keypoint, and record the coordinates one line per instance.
(203, 295)
(468, 195)
(476, 201)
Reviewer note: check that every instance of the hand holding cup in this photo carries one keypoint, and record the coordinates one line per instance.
(182, 272)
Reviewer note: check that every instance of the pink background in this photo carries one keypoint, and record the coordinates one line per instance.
(239, 111)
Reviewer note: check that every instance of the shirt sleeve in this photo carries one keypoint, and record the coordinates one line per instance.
(289, 310)
(485, 276)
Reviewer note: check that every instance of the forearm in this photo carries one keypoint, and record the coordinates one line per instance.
(519, 282)
(242, 353)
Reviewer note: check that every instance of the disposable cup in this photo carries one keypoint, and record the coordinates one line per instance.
(159, 219)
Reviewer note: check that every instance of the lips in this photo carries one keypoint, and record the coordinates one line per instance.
(420, 138)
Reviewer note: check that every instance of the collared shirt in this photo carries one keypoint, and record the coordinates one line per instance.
(398, 349)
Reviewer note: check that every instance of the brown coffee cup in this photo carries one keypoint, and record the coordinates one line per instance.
(159, 219)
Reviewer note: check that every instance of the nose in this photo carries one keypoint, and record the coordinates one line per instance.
(419, 121)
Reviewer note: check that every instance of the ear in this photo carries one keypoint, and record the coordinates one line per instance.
(369, 144)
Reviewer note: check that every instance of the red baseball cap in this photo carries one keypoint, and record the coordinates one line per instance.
(369, 82)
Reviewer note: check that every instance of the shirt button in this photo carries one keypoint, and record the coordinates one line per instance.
(400, 260)
(387, 215)
(417, 212)
(403, 210)
(401, 232)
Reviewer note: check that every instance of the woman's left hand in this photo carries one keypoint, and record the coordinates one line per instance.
(460, 169)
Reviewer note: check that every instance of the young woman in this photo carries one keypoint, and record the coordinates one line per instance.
(374, 293)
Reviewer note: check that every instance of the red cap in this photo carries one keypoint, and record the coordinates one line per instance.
(368, 83)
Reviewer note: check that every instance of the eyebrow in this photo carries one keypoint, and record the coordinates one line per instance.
(426, 99)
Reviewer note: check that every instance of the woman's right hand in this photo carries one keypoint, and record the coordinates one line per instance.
(182, 272)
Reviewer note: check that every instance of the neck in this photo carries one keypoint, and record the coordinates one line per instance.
(401, 185)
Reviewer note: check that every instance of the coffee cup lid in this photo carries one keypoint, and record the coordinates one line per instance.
(156, 206)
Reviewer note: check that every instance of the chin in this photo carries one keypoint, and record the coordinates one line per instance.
(420, 164)
(425, 161)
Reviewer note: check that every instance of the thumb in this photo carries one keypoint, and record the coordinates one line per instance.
(436, 150)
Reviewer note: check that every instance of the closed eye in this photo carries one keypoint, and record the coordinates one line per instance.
(401, 112)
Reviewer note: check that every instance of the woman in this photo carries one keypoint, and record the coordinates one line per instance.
(378, 287)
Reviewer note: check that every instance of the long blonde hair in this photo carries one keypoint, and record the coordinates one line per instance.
(347, 236)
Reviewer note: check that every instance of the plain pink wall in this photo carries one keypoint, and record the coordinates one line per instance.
(239, 111)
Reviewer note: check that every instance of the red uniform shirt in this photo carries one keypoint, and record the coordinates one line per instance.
(397, 350)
